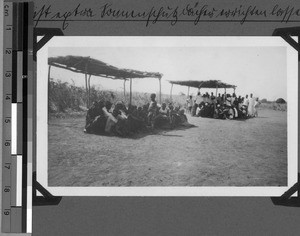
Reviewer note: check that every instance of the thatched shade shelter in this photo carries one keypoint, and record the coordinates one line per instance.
(201, 84)
(89, 66)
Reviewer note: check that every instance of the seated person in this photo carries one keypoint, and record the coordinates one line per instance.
(135, 121)
(119, 113)
(111, 120)
(95, 119)
(92, 113)
(164, 111)
(219, 113)
(162, 117)
(205, 111)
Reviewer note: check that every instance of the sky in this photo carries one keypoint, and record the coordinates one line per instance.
(258, 70)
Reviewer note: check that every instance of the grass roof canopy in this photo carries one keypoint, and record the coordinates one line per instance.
(90, 66)
(202, 84)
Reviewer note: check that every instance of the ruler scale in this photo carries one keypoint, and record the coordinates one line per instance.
(23, 88)
(30, 105)
(7, 100)
(17, 73)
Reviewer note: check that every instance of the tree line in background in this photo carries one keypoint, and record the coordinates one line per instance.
(64, 97)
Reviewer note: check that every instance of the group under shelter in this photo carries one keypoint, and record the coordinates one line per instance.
(210, 84)
(90, 66)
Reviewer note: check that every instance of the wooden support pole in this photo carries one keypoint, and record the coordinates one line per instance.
(86, 91)
(124, 88)
(188, 91)
(89, 85)
(217, 91)
(49, 69)
(159, 90)
(130, 97)
(171, 92)
(86, 86)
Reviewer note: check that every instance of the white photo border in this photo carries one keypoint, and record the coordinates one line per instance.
(165, 41)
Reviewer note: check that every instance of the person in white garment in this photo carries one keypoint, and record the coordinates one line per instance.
(251, 106)
(256, 105)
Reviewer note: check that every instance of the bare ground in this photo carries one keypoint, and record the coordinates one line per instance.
(214, 153)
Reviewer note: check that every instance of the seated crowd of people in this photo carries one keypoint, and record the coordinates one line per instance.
(223, 106)
(116, 119)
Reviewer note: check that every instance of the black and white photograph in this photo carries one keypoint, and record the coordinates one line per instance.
(167, 116)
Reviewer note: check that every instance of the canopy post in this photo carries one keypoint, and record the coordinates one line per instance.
(159, 90)
(86, 90)
(49, 69)
(188, 93)
(216, 91)
(124, 88)
(234, 90)
(89, 85)
(130, 96)
(86, 85)
(171, 92)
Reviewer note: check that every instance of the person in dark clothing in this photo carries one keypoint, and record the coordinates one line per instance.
(95, 119)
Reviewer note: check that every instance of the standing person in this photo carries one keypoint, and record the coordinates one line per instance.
(190, 104)
(152, 109)
(251, 106)
(198, 100)
(222, 99)
(256, 104)
(233, 98)
(246, 101)
(219, 98)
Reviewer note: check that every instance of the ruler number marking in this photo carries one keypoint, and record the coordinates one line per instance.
(7, 120)
(6, 10)
(7, 143)
(7, 165)
(8, 51)
(6, 212)
(6, 189)
(8, 74)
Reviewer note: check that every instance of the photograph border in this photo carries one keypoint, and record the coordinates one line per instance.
(167, 41)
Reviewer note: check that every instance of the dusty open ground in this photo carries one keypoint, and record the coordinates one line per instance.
(214, 153)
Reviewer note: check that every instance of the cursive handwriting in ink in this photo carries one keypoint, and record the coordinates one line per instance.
(85, 12)
(242, 13)
(285, 13)
(193, 11)
(45, 13)
(162, 14)
(153, 15)
(190, 12)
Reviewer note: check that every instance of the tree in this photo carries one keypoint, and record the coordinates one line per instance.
(280, 100)
(264, 100)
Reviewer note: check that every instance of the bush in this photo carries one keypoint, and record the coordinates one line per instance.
(264, 100)
(281, 101)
